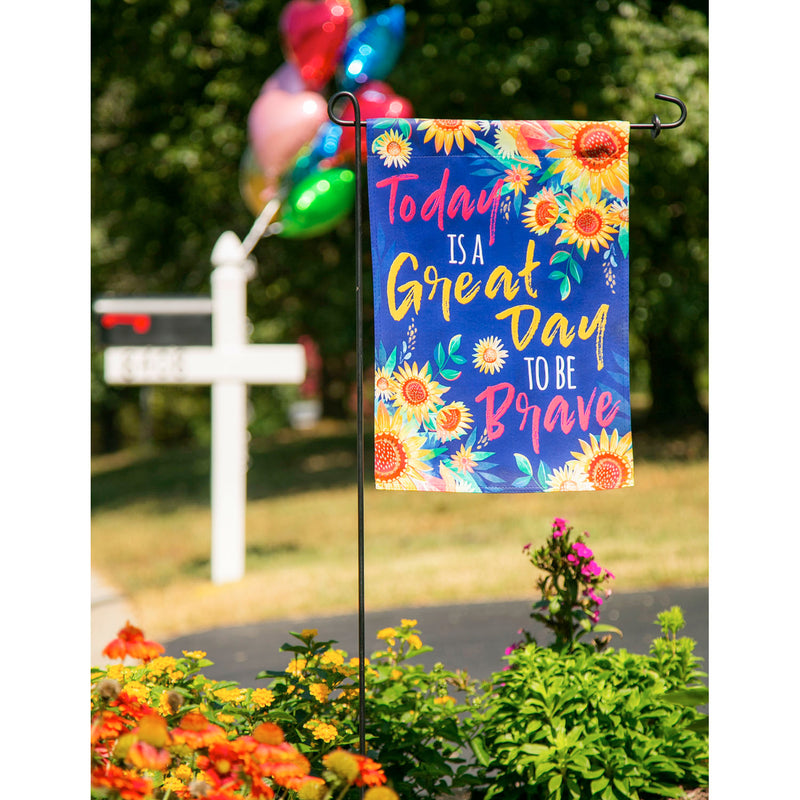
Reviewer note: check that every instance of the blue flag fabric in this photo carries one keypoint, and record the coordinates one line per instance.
(500, 272)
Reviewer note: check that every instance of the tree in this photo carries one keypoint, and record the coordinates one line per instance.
(172, 85)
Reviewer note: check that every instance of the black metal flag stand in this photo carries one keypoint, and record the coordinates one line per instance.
(655, 126)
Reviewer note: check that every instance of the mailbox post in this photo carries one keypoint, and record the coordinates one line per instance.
(172, 349)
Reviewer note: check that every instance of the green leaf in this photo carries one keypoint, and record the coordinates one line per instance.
(559, 255)
(440, 356)
(458, 359)
(481, 753)
(598, 785)
(455, 343)
(554, 783)
(524, 464)
(450, 374)
(565, 288)
(688, 696)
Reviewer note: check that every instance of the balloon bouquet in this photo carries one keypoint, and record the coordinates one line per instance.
(294, 175)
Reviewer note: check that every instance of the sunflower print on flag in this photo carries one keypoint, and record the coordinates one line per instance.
(500, 275)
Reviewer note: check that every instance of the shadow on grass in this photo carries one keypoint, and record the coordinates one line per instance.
(294, 462)
(287, 464)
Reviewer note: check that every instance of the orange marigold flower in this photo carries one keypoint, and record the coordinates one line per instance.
(268, 733)
(146, 756)
(130, 641)
(196, 731)
(370, 772)
(128, 784)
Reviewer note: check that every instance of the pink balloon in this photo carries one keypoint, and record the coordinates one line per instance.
(375, 99)
(313, 33)
(286, 78)
(280, 124)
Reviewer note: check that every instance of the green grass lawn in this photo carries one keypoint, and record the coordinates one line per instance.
(151, 533)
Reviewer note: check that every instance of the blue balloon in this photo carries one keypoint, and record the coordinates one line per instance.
(323, 146)
(372, 49)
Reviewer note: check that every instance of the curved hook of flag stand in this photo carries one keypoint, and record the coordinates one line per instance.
(655, 126)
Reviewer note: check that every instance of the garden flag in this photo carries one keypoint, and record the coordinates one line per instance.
(500, 271)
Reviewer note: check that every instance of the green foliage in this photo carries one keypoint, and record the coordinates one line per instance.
(172, 84)
(583, 724)
(412, 718)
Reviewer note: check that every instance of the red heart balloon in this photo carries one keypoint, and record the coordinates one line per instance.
(313, 33)
(375, 99)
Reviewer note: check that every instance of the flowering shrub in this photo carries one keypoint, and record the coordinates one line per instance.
(162, 730)
(570, 720)
(412, 714)
(570, 588)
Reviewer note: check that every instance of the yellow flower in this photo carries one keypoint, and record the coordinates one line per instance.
(296, 666)
(443, 701)
(400, 455)
(387, 634)
(607, 461)
(354, 662)
(393, 148)
(308, 633)
(230, 695)
(381, 793)
(415, 392)
(183, 771)
(518, 178)
(586, 224)
(343, 764)
(160, 665)
(452, 421)
(170, 784)
(319, 691)
(262, 697)
(226, 718)
(489, 355)
(137, 690)
(593, 156)
(335, 657)
(462, 461)
(321, 730)
(408, 623)
(116, 672)
(414, 641)
(397, 674)
(541, 212)
(196, 654)
(447, 131)
(569, 478)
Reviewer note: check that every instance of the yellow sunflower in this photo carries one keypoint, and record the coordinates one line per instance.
(587, 223)
(489, 355)
(393, 148)
(414, 391)
(518, 178)
(569, 478)
(383, 384)
(541, 212)
(400, 458)
(619, 215)
(607, 462)
(452, 421)
(447, 131)
(592, 155)
(462, 461)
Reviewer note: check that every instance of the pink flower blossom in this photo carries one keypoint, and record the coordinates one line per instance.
(582, 550)
(572, 559)
(559, 526)
(592, 568)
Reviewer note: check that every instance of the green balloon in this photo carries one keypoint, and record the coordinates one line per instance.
(318, 203)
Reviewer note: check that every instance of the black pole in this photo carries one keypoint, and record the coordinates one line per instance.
(359, 411)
